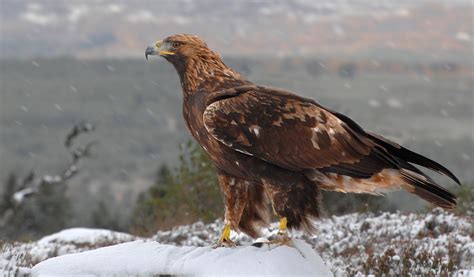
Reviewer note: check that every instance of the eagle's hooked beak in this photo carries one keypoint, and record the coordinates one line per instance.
(159, 48)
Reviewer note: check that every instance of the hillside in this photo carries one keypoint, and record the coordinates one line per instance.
(434, 243)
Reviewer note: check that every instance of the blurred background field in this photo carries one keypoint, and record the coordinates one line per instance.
(399, 68)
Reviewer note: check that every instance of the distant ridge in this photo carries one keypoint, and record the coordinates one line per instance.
(292, 27)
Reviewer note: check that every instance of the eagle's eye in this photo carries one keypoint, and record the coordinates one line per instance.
(176, 44)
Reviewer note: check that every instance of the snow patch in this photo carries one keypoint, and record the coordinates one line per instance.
(35, 14)
(142, 16)
(374, 103)
(394, 103)
(113, 8)
(85, 235)
(463, 36)
(140, 258)
(20, 257)
(76, 12)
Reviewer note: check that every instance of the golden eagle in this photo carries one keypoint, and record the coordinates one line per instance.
(270, 145)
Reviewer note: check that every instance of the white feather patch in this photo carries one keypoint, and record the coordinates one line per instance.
(255, 129)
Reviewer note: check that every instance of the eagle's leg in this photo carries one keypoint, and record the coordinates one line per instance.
(235, 191)
(224, 240)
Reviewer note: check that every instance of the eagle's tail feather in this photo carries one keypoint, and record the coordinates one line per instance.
(427, 189)
(408, 178)
(414, 180)
(412, 157)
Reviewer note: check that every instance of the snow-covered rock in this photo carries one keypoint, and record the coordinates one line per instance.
(147, 258)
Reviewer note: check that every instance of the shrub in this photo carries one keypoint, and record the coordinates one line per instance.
(181, 196)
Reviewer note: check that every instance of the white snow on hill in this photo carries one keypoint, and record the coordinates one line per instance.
(435, 243)
(142, 258)
(86, 236)
(438, 243)
(20, 257)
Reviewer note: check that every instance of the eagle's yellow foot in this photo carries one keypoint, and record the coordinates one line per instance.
(224, 240)
(282, 237)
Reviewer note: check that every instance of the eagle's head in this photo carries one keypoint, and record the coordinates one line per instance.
(180, 48)
(196, 64)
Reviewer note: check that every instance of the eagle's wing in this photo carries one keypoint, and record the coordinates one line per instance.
(298, 134)
(283, 129)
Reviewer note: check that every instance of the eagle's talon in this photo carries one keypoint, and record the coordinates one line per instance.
(282, 239)
(225, 240)
(224, 243)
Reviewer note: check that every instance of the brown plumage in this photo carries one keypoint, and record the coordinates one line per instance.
(270, 145)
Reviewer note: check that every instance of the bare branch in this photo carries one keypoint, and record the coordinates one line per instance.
(29, 178)
(31, 185)
(81, 127)
(82, 151)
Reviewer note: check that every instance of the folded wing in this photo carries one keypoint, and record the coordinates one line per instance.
(298, 134)
(283, 129)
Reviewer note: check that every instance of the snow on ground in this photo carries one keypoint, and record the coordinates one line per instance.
(150, 258)
(392, 243)
(438, 243)
(86, 236)
(20, 257)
